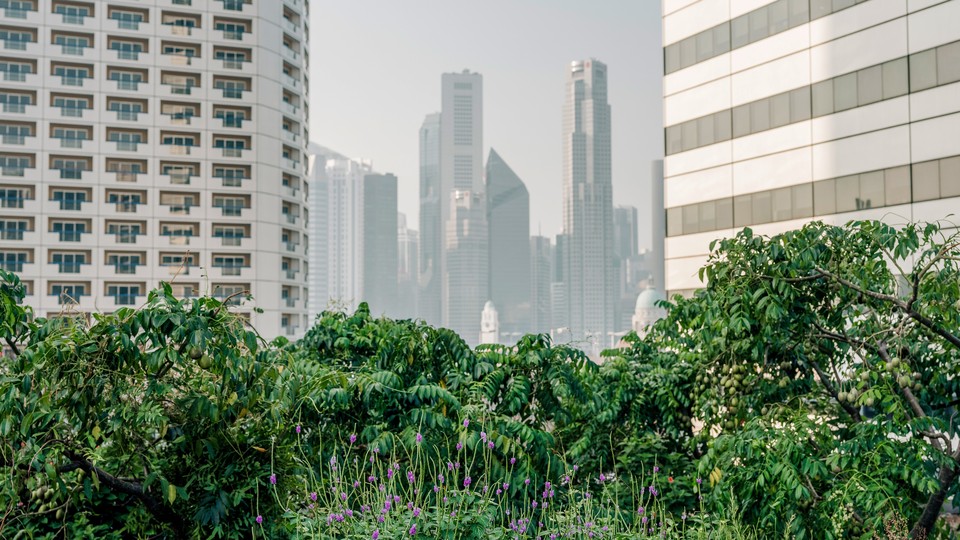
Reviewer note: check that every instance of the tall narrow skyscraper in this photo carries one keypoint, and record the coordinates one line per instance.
(408, 264)
(541, 276)
(589, 269)
(431, 223)
(380, 243)
(508, 219)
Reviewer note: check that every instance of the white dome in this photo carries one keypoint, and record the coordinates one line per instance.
(488, 306)
(648, 299)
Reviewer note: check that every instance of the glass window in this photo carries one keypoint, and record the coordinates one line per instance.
(845, 92)
(691, 219)
(895, 78)
(689, 135)
(896, 183)
(824, 198)
(721, 126)
(688, 52)
(848, 193)
(705, 131)
(948, 63)
(740, 31)
(704, 45)
(782, 205)
(800, 104)
(802, 197)
(721, 39)
(926, 181)
(674, 140)
(779, 15)
(674, 221)
(708, 216)
(724, 213)
(780, 110)
(759, 116)
(799, 12)
(741, 121)
(871, 190)
(762, 207)
(742, 211)
(671, 58)
(820, 8)
(842, 4)
(869, 85)
(759, 27)
(823, 98)
(923, 70)
(950, 177)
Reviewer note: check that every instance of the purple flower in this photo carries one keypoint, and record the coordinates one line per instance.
(576, 468)
(440, 478)
(273, 479)
(416, 512)
(297, 429)
(371, 479)
(656, 469)
(410, 477)
(313, 495)
(644, 519)
(506, 486)
(353, 439)
(534, 504)
(526, 482)
(343, 496)
(449, 466)
(640, 510)
(259, 519)
(376, 534)
(466, 482)
(413, 530)
(483, 436)
(419, 438)
(466, 422)
(699, 480)
(653, 491)
(513, 461)
(436, 489)
(490, 445)
(602, 478)
(459, 447)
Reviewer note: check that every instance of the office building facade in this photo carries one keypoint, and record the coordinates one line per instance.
(508, 222)
(162, 141)
(779, 113)
(380, 243)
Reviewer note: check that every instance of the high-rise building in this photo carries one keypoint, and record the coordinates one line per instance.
(408, 265)
(380, 243)
(589, 264)
(431, 222)
(465, 263)
(155, 141)
(344, 215)
(625, 231)
(625, 252)
(541, 276)
(508, 222)
(319, 259)
(778, 113)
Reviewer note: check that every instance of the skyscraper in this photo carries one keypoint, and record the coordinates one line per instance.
(508, 219)
(344, 230)
(380, 243)
(431, 223)
(319, 259)
(541, 276)
(589, 264)
(408, 265)
(156, 141)
(625, 250)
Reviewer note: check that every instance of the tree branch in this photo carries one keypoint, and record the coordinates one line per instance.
(13, 346)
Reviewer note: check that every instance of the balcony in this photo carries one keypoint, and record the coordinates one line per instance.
(289, 81)
(232, 240)
(290, 108)
(123, 146)
(73, 80)
(290, 54)
(124, 24)
(232, 152)
(292, 192)
(77, 143)
(73, 50)
(291, 27)
(291, 164)
(176, 149)
(290, 136)
(292, 219)
(17, 13)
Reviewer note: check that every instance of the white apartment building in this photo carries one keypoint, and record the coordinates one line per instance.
(155, 140)
(781, 112)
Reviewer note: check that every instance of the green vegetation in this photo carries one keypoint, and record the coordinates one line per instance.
(809, 391)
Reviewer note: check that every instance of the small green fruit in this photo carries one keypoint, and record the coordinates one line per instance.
(205, 361)
(195, 353)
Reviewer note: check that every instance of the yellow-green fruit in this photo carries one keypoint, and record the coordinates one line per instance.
(195, 353)
(60, 513)
(205, 361)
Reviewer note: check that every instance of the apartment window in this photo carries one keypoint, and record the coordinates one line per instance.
(16, 132)
(182, 112)
(179, 173)
(232, 147)
(184, 21)
(179, 203)
(127, 19)
(16, 102)
(126, 232)
(231, 205)
(127, 49)
(73, 13)
(124, 294)
(183, 50)
(13, 197)
(230, 293)
(125, 263)
(127, 170)
(126, 201)
(179, 139)
(13, 261)
(16, 39)
(178, 260)
(179, 229)
(232, 29)
(71, 105)
(72, 44)
(69, 293)
(69, 231)
(126, 109)
(231, 235)
(13, 228)
(71, 136)
(126, 139)
(231, 176)
(127, 79)
(234, 5)
(232, 117)
(232, 58)
(232, 88)
(69, 262)
(70, 199)
(71, 74)
(17, 9)
(17, 70)
(71, 167)
(231, 265)
(180, 83)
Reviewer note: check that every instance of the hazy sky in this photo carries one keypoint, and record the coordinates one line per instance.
(375, 74)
